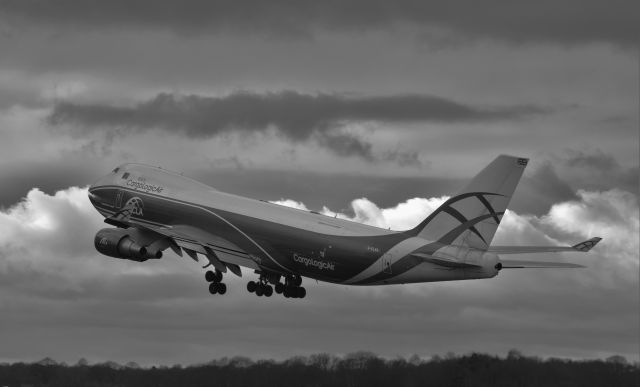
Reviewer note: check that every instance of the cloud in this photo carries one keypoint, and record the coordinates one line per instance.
(611, 214)
(46, 250)
(568, 22)
(541, 189)
(401, 217)
(595, 169)
(596, 160)
(63, 299)
(297, 117)
(295, 114)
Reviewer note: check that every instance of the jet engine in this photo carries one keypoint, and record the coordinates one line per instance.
(121, 243)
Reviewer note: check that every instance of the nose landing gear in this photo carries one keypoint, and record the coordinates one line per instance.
(215, 282)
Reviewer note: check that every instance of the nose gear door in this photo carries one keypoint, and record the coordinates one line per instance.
(119, 195)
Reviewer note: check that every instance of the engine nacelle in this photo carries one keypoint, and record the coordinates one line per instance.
(118, 243)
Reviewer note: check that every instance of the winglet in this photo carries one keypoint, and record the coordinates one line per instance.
(587, 245)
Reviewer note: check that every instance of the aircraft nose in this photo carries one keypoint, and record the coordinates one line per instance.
(93, 198)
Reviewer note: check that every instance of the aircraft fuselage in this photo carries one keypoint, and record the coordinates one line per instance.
(268, 237)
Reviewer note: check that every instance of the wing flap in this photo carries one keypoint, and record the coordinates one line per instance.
(517, 264)
(580, 247)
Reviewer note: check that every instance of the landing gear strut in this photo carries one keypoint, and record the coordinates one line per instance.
(289, 289)
(215, 282)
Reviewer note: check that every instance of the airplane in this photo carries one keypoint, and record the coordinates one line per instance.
(153, 209)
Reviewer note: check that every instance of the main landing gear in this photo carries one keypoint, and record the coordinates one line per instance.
(215, 282)
(290, 289)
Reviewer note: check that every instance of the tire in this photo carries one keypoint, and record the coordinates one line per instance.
(279, 288)
(268, 291)
(213, 288)
(218, 276)
(222, 288)
(303, 292)
(209, 276)
(251, 286)
(259, 291)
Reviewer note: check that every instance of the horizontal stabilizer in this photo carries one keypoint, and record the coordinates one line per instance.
(516, 264)
(452, 263)
(580, 247)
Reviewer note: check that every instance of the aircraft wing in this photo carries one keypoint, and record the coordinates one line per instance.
(221, 253)
(580, 247)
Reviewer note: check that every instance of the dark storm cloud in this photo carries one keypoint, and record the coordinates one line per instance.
(596, 160)
(599, 170)
(49, 176)
(298, 117)
(540, 190)
(567, 22)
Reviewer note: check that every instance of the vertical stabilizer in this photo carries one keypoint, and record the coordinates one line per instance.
(472, 217)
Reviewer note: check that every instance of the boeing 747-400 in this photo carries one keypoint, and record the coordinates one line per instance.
(153, 209)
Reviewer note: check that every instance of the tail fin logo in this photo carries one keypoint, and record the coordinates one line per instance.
(473, 217)
(468, 224)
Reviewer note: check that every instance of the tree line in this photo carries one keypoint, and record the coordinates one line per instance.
(352, 370)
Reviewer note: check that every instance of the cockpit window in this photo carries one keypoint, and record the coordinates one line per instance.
(126, 175)
(116, 170)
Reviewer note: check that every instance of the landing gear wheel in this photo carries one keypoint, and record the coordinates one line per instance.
(268, 291)
(252, 286)
(297, 281)
(259, 291)
(213, 276)
(222, 288)
(302, 292)
(279, 288)
(213, 288)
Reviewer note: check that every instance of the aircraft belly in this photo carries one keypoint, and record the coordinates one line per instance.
(324, 257)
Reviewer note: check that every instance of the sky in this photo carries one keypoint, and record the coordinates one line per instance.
(375, 110)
